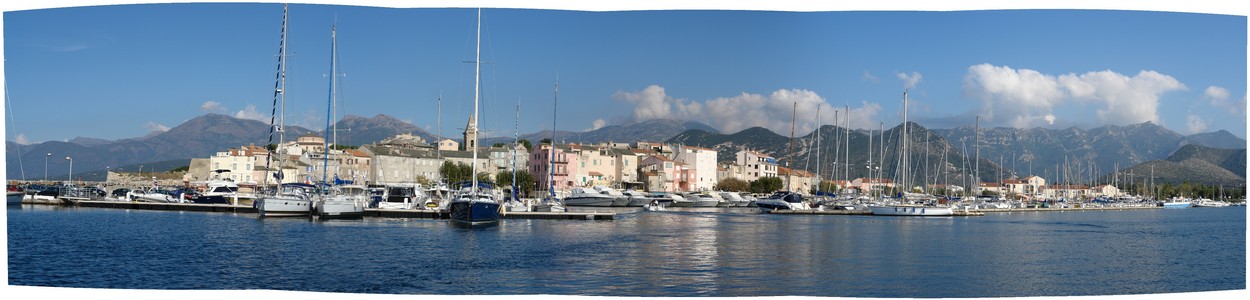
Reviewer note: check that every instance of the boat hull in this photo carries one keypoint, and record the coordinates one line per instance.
(15, 198)
(622, 202)
(588, 201)
(283, 207)
(474, 212)
(340, 211)
(1176, 205)
(921, 211)
(210, 199)
(706, 203)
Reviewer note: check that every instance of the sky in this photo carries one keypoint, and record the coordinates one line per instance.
(126, 70)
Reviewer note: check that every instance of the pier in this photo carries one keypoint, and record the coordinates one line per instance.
(369, 212)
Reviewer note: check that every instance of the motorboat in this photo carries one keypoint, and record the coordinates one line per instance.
(153, 194)
(734, 199)
(1204, 202)
(704, 199)
(619, 199)
(636, 198)
(653, 206)
(783, 200)
(15, 195)
(583, 196)
(680, 201)
(1177, 203)
(403, 197)
(219, 192)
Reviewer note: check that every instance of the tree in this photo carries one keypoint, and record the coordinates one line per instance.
(733, 185)
(766, 185)
(498, 145)
(524, 180)
(455, 172)
(527, 144)
(181, 169)
(545, 141)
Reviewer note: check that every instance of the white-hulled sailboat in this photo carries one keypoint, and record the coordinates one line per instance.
(904, 207)
(292, 199)
(336, 202)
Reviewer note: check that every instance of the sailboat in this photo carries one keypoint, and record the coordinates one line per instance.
(903, 207)
(289, 199)
(552, 203)
(346, 202)
(475, 205)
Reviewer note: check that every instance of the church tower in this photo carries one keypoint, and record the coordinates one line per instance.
(470, 135)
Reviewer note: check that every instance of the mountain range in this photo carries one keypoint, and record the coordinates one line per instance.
(1042, 151)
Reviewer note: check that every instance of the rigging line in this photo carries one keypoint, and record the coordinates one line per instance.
(17, 147)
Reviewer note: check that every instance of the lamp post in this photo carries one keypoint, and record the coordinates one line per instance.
(71, 169)
(45, 167)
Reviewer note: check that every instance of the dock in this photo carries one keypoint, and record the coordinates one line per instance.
(369, 212)
(860, 212)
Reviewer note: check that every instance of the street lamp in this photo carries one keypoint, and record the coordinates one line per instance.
(71, 169)
(45, 166)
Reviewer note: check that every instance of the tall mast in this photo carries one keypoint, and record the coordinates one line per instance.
(793, 115)
(818, 147)
(477, 77)
(976, 164)
(551, 168)
(847, 168)
(278, 95)
(516, 136)
(325, 160)
(903, 179)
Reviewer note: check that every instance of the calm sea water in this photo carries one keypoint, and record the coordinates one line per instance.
(696, 252)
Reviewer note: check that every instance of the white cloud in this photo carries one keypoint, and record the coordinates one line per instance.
(1026, 98)
(21, 139)
(1219, 98)
(153, 126)
(1126, 100)
(1019, 98)
(732, 114)
(212, 107)
(869, 77)
(910, 80)
(1195, 123)
(250, 113)
(598, 123)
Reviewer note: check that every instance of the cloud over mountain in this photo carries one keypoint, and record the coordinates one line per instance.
(1025, 98)
(730, 114)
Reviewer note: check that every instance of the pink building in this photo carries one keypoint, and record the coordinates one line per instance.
(540, 161)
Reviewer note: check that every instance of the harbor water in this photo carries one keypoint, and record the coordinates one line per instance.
(680, 252)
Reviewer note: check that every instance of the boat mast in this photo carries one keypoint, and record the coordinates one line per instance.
(477, 78)
(278, 94)
(551, 168)
(516, 131)
(818, 147)
(903, 179)
(793, 115)
(976, 164)
(325, 159)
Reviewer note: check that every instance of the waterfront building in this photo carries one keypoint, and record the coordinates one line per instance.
(662, 174)
(400, 160)
(241, 164)
(626, 167)
(872, 184)
(1105, 190)
(799, 181)
(501, 158)
(756, 165)
(540, 159)
(702, 164)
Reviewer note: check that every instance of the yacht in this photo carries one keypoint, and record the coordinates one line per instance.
(1204, 202)
(288, 199)
(704, 199)
(666, 199)
(403, 197)
(583, 196)
(1178, 202)
(15, 195)
(219, 192)
(680, 200)
(619, 199)
(903, 208)
(154, 194)
(636, 198)
(733, 199)
(783, 200)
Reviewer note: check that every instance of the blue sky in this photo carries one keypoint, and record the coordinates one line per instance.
(122, 71)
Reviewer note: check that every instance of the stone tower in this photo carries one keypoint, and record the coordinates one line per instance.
(470, 135)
